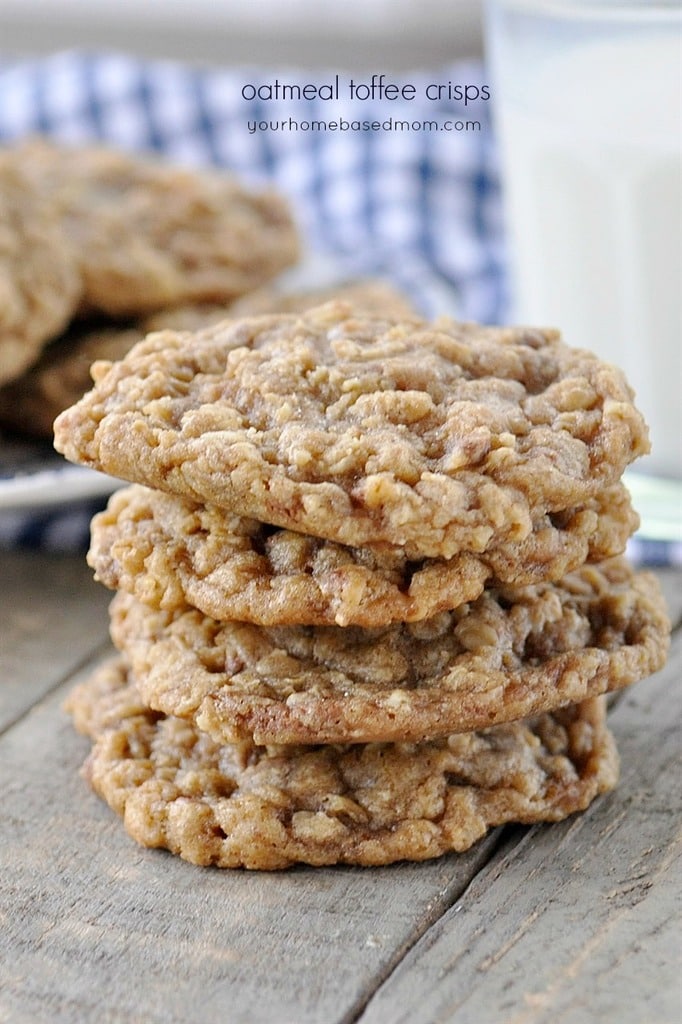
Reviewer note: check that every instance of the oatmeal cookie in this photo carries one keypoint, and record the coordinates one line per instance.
(150, 235)
(39, 280)
(268, 808)
(169, 551)
(437, 438)
(366, 295)
(514, 652)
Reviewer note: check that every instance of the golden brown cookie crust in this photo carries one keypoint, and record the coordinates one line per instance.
(168, 552)
(39, 280)
(511, 653)
(150, 235)
(269, 808)
(439, 439)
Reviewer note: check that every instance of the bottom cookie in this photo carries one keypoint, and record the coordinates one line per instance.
(369, 804)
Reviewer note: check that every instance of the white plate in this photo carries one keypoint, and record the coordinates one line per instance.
(34, 476)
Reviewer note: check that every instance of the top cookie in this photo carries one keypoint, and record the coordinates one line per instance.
(150, 235)
(437, 438)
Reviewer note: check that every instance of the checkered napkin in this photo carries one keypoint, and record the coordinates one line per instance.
(406, 189)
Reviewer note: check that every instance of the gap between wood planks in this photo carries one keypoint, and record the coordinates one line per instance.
(489, 847)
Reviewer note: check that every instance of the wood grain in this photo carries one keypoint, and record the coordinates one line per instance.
(52, 617)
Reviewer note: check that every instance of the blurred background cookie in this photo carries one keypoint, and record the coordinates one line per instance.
(148, 234)
(88, 230)
(39, 275)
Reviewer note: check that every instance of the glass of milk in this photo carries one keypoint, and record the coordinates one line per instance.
(587, 97)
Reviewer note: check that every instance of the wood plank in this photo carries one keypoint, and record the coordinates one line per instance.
(573, 922)
(52, 617)
(94, 928)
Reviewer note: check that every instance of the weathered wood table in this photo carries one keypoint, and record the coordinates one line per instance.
(569, 923)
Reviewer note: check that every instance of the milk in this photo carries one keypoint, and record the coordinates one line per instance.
(591, 136)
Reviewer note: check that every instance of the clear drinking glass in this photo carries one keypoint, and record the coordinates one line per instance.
(587, 97)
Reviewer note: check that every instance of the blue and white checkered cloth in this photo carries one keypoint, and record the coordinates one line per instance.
(419, 205)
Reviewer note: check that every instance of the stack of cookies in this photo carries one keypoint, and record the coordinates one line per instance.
(370, 584)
